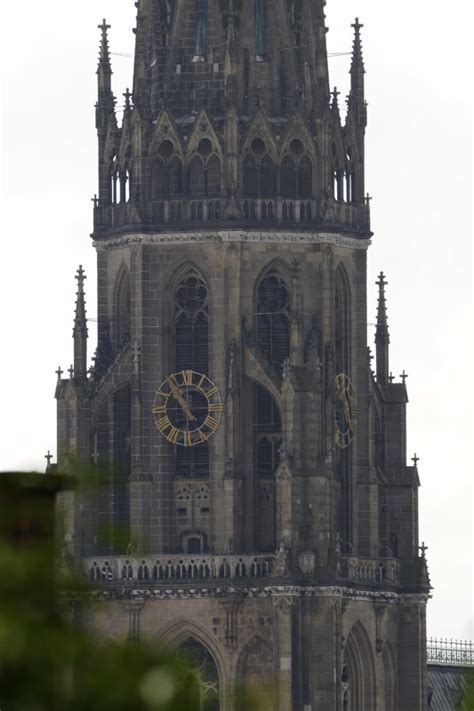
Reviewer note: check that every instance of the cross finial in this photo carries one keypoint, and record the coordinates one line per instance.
(415, 460)
(335, 96)
(423, 549)
(48, 458)
(104, 26)
(71, 372)
(95, 200)
(59, 373)
(357, 25)
(404, 377)
(128, 97)
(391, 378)
(368, 199)
(381, 280)
(81, 275)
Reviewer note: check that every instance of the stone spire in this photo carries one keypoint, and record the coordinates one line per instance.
(104, 70)
(80, 332)
(105, 109)
(382, 337)
(357, 104)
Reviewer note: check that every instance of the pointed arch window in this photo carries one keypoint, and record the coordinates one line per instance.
(206, 672)
(192, 353)
(259, 174)
(305, 178)
(273, 319)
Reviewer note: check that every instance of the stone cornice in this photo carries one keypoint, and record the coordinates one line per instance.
(127, 593)
(222, 237)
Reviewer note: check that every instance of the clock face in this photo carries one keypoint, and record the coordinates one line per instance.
(345, 410)
(187, 408)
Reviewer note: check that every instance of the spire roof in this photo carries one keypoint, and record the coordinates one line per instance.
(104, 54)
(80, 319)
(382, 321)
(357, 54)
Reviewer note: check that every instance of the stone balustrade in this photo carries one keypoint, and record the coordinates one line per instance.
(272, 211)
(176, 567)
(371, 571)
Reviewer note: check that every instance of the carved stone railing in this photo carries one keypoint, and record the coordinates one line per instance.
(160, 569)
(450, 652)
(369, 571)
(271, 211)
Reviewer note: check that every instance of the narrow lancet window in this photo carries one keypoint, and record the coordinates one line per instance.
(201, 31)
(261, 30)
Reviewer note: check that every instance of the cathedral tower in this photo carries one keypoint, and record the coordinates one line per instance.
(251, 467)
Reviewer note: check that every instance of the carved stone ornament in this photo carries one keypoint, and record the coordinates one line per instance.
(307, 563)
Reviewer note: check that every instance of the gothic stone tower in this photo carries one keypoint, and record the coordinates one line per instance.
(253, 463)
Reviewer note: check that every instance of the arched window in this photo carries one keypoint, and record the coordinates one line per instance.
(250, 177)
(158, 179)
(305, 178)
(175, 177)
(273, 327)
(206, 672)
(122, 312)
(288, 178)
(213, 177)
(267, 178)
(358, 671)
(197, 178)
(192, 353)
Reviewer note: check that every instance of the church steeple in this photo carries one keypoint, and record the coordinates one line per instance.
(80, 332)
(382, 337)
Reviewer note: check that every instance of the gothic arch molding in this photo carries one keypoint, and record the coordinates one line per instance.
(178, 631)
(256, 661)
(359, 670)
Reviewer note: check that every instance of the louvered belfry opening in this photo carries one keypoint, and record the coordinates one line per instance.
(192, 353)
(273, 324)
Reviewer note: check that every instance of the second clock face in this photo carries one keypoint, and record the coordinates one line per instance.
(187, 408)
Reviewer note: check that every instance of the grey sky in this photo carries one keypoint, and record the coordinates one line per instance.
(419, 173)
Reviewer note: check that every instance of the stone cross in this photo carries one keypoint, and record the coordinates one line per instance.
(71, 372)
(48, 458)
(391, 378)
(59, 373)
(423, 550)
(357, 25)
(368, 199)
(404, 377)
(415, 460)
(95, 200)
(127, 96)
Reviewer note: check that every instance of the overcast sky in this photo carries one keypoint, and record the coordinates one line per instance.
(419, 173)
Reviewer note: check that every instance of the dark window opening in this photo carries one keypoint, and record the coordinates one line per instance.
(273, 326)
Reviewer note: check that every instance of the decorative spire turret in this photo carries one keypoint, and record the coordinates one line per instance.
(357, 103)
(80, 332)
(382, 337)
(105, 108)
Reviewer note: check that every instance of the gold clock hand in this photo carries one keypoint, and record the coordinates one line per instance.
(180, 399)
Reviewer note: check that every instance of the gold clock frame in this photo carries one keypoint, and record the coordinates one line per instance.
(176, 388)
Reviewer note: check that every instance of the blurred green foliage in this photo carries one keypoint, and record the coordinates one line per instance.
(49, 664)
